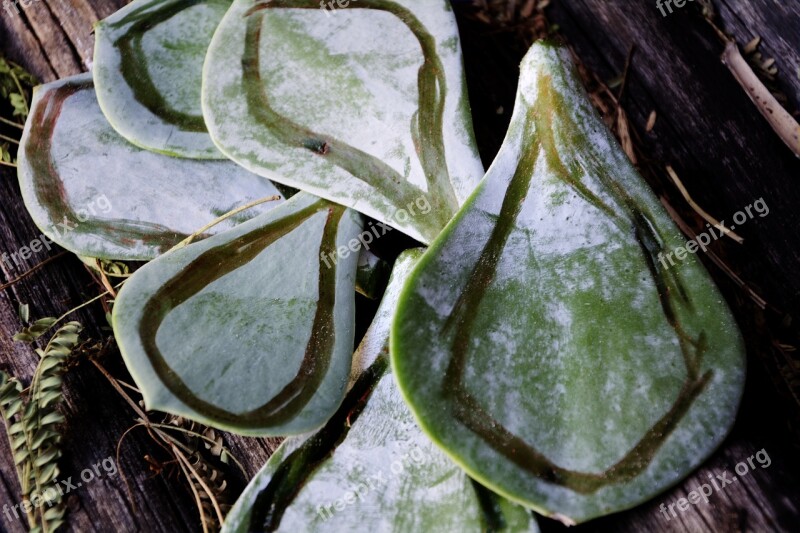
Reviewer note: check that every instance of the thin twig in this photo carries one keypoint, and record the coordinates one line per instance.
(143, 421)
(129, 386)
(11, 123)
(201, 436)
(124, 477)
(784, 124)
(203, 484)
(174, 446)
(699, 210)
(624, 82)
(781, 121)
(12, 165)
(224, 217)
(196, 497)
(111, 379)
(84, 304)
(9, 139)
(717, 30)
(104, 280)
(763, 304)
(32, 270)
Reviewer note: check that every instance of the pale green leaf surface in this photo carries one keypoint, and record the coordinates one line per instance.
(348, 105)
(248, 330)
(97, 195)
(148, 65)
(543, 344)
(384, 476)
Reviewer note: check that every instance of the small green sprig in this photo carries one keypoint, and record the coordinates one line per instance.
(15, 86)
(31, 418)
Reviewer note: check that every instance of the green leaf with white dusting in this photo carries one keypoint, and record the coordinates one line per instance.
(148, 65)
(370, 468)
(250, 330)
(97, 195)
(365, 106)
(544, 341)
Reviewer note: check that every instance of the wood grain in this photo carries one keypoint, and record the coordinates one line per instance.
(46, 28)
(725, 153)
(72, 15)
(55, 39)
(778, 24)
(728, 157)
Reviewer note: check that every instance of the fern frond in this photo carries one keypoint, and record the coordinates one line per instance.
(214, 481)
(35, 330)
(42, 419)
(31, 422)
(211, 487)
(11, 407)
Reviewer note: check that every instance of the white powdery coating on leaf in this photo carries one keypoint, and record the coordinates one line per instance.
(334, 78)
(344, 70)
(402, 477)
(569, 348)
(93, 161)
(174, 50)
(209, 364)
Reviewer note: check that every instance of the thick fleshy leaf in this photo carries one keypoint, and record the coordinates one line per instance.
(543, 341)
(250, 330)
(364, 105)
(148, 66)
(97, 195)
(370, 468)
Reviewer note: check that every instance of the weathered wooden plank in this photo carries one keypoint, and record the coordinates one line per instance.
(725, 152)
(728, 157)
(676, 68)
(778, 24)
(96, 417)
(45, 42)
(73, 15)
(20, 44)
(104, 8)
(52, 37)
